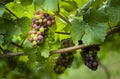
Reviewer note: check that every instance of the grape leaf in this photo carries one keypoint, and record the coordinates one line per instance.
(114, 3)
(44, 49)
(69, 5)
(17, 9)
(25, 24)
(94, 34)
(51, 4)
(26, 2)
(1, 39)
(97, 3)
(38, 2)
(94, 16)
(31, 52)
(6, 1)
(1, 13)
(13, 30)
(2, 29)
(113, 13)
(77, 30)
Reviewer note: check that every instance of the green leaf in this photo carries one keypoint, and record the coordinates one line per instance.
(114, 3)
(26, 2)
(94, 16)
(94, 34)
(31, 52)
(1, 13)
(77, 29)
(44, 49)
(17, 9)
(51, 4)
(38, 2)
(69, 5)
(25, 24)
(97, 3)
(2, 29)
(9, 29)
(6, 1)
(113, 14)
(1, 39)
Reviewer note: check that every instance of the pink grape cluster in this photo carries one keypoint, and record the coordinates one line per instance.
(40, 26)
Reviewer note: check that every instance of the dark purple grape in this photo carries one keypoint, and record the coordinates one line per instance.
(49, 18)
(46, 15)
(38, 42)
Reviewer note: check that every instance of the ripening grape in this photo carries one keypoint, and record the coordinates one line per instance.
(49, 23)
(40, 37)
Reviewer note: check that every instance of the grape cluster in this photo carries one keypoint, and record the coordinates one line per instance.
(40, 26)
(65, 59)
(89, 55)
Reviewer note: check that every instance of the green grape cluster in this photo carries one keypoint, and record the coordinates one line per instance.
(40, 26)
(65, 59)
(89, 55)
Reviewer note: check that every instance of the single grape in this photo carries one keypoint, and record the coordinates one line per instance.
(37, 16)
(35, 38)
(43, 17)
(34, 42)
(31, 39)
(49, 23)
(44, 20)
(53, 17)
(49, 18)
(37, 28)
(53, 21)
(37, 22)
(40, 20)
(38, 32)
(38, 42)
(46, 15)
(30, 32)
(34, 25)
(33, 20)
(32, 35)
(41, 30)
(40, 37)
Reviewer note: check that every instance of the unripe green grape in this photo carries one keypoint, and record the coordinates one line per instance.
(34, 43)
(37, 16)
(40, 20)
(41, 30)
(32, 35)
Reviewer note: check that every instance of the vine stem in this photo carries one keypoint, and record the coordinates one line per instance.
(64, 50)
(63, 18)
(63, 33)
(106, 70)
(9, 10)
